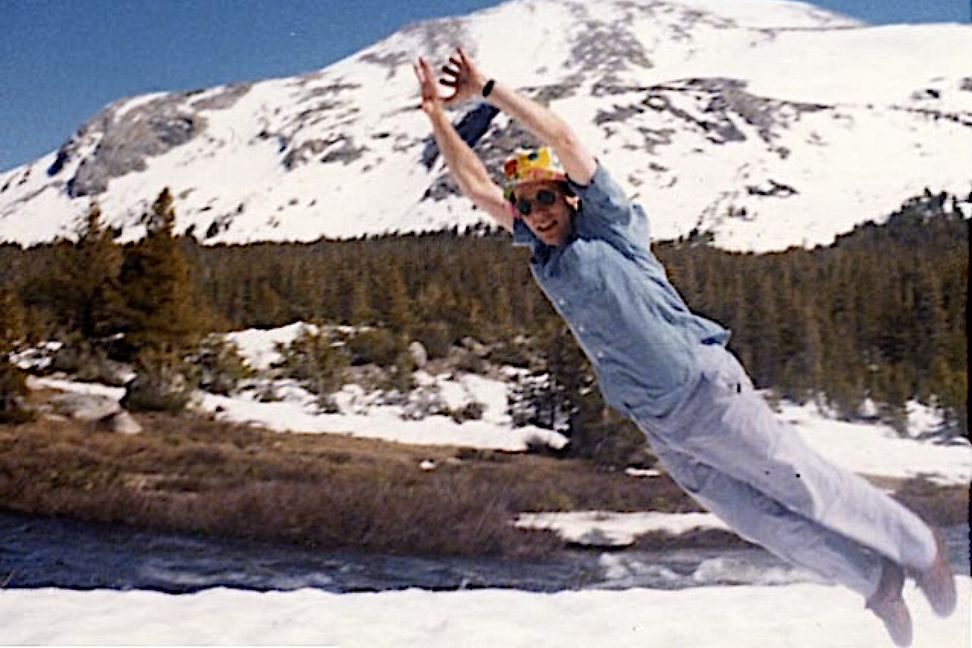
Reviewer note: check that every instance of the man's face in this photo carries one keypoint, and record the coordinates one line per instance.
(549, 212)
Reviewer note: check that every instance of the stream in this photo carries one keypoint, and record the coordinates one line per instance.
(55, 552)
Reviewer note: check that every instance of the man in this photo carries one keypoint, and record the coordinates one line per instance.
(668, 370)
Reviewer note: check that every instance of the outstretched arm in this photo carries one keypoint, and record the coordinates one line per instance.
(468, 82)
(464, 165)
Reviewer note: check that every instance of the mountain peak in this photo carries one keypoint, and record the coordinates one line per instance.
(764, 123)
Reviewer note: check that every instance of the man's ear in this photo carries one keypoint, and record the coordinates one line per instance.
(569, 196)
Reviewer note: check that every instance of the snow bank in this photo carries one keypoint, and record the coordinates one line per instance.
(792, 616)
(876, 449)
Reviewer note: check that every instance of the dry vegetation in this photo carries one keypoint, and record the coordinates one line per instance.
(190, 473)
(329, 491)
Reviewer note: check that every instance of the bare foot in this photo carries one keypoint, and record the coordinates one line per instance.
(937, 582)
(888, 605)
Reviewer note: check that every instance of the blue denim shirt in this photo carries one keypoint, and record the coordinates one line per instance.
(604, 281)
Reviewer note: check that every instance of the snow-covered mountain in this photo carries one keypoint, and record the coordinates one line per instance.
(767, 123)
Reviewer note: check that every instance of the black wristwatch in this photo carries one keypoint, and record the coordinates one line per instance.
(488, 87)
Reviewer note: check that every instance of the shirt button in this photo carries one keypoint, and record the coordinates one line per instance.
(581, 328)
(600, 354)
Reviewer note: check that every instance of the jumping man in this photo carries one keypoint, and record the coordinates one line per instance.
(668, 370)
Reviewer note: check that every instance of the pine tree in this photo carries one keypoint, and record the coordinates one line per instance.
(13, 385)
(270, 309)
(359, 303)
(12, 328)
(159, 306)
(396, 305)
(501, 316)
(90, 274)
(931, 323)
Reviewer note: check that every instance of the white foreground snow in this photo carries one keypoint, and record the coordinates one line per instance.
(795, 616)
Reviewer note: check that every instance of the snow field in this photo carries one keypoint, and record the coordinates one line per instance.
(794, 616)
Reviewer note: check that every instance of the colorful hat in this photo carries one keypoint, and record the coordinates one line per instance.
(530, 166)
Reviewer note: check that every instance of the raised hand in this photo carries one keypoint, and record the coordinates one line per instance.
(431, 101)
(462, 75)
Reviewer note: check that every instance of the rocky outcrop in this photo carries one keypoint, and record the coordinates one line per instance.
(390, 61)
(123, 139)
(126, 146)
(719, 109)
(103, 412)
(607, 47)
(84, 407)
(222, 99)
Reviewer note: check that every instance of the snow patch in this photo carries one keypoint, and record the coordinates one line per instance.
(616, 529)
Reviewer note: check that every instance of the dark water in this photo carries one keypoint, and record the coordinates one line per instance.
(51, 552)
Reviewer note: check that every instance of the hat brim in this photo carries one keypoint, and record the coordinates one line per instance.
(533, 175)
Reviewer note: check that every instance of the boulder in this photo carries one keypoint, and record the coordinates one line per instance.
(120, 422)
(420, 356)
(84, 407)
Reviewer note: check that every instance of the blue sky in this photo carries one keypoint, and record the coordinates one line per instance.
(62, 60)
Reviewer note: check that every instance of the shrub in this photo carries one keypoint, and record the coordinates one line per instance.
(466, 361)
(512, 353)
(400, 374)
(11, 319)
(378, 346)
(220, 366)
(616, 443)
(314, 361)
(469, 412)
(13, 394)
(436, 337)
(161, 384)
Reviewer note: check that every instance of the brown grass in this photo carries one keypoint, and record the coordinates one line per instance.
(329, 491)
(189, 473)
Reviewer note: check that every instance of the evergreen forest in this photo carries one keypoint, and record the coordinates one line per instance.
(879, 314)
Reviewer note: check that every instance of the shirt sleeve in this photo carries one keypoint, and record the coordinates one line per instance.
(606, 212)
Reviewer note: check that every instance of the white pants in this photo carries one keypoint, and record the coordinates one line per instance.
(727, 449)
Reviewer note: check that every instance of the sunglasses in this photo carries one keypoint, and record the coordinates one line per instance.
(543, 197)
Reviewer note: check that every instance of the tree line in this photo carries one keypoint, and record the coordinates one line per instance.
(879, 314)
